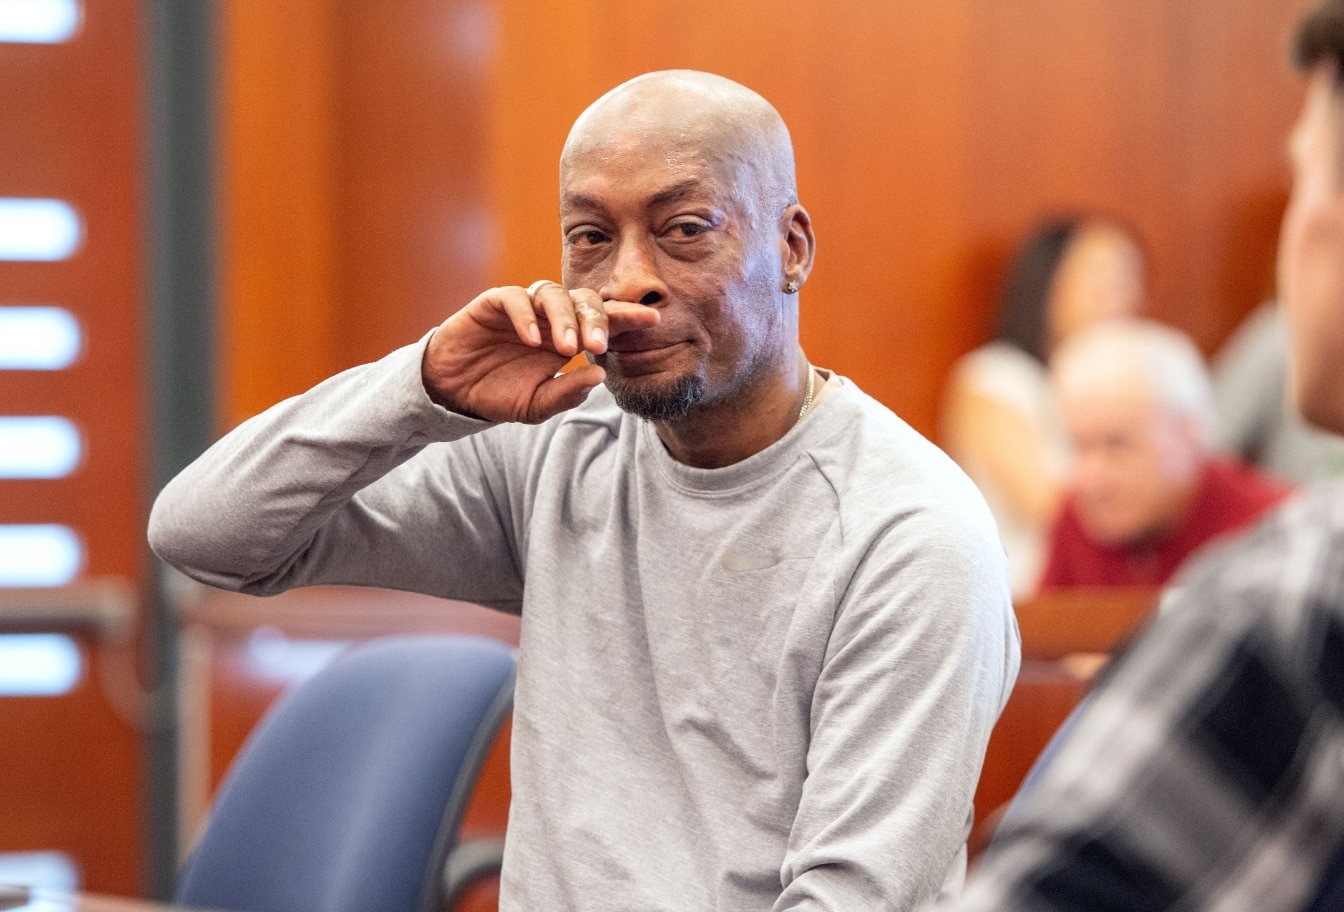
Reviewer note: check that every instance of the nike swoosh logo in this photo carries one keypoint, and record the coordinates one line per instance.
(736, 561)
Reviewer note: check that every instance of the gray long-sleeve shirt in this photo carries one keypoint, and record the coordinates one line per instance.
(767, 686)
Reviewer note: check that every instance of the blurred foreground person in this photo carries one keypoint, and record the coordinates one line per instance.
(765, 625)
(1148, 487)
(1208, 771)
(999, 418)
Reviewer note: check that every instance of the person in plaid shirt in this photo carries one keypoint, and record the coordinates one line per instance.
(1207, 772)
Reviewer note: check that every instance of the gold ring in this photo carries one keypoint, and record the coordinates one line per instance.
(536, 286)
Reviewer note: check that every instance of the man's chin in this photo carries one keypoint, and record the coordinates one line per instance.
(652, 400)
(1115, 533)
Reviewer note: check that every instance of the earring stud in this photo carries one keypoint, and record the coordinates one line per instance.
(791, 286)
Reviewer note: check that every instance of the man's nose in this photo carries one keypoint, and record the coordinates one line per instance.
(634, 276)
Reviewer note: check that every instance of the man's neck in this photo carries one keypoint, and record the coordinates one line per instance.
(720, 434)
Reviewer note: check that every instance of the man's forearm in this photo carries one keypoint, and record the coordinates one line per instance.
(242, 513)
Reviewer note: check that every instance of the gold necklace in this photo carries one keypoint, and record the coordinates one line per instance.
(811, 388)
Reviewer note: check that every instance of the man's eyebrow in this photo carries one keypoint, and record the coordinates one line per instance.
(675, 193)
(580, 201)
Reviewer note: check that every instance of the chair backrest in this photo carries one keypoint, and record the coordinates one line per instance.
(348, 795)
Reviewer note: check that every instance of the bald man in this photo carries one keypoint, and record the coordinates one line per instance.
(1148, 486)
(765, 625)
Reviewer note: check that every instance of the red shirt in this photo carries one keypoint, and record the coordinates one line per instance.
(1231, 495)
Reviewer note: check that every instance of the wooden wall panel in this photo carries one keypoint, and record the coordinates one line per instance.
(278, 168)
(69, 117)
(545, 68)
(353, 221)
(70, 128)
(1172, 116)
(385, 162)
(415, 237)
(70, 775)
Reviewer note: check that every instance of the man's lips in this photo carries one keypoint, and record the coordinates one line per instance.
(643, 356)
(633, 343)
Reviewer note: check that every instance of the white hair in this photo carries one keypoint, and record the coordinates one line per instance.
(1124, 350)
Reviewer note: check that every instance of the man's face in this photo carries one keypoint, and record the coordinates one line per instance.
(1136, 465)
(649, 216)
(1311, 255)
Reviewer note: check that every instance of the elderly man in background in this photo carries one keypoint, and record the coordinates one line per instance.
(765, 625)
(1148, 486)
(1207, 772)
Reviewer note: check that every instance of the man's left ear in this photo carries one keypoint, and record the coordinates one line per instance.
(797, 246)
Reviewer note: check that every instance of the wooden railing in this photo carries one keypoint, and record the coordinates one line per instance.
(1073, 621)
(106, 605)
(1067, 637)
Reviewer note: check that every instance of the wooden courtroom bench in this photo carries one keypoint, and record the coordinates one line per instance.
(1067, 637)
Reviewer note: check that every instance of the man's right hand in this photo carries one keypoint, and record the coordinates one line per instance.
(498, 357)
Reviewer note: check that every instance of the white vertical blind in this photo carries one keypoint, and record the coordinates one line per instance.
(38, 230)
(38, 664)
(39, 555)
(38, 21)
(38, 338)
(41, 446)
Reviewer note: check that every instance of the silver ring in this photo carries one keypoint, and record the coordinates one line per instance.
(536, 286)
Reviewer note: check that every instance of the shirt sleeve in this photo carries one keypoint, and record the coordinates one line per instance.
(921, 659)
(362, 480)
(1204, 773)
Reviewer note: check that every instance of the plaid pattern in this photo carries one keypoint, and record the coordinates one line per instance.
(1209, 771)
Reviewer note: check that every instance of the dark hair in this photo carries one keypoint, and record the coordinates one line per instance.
(1320, 37)
(1022, 314)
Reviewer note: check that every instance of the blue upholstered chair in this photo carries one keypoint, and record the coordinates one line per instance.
(348, 795)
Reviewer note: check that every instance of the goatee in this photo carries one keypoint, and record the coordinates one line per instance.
(669, 402)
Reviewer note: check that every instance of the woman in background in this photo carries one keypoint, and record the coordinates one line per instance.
(999, 418)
